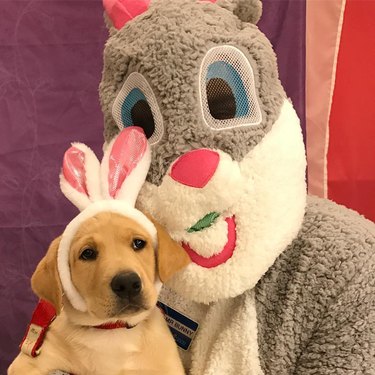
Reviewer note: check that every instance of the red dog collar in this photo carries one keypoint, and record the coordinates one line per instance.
(43, 315)
(114, 325)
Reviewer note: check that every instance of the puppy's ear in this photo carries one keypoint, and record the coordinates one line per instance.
(171, 257)
(45, 281)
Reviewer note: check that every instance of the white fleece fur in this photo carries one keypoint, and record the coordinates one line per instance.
(269, 187)
(228, 324)
(179, 206)
(262, 191)
(209, 241)
(226, 340)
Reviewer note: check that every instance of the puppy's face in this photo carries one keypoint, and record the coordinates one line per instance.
(113, 266)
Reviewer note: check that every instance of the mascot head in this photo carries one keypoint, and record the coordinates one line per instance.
(227, 175)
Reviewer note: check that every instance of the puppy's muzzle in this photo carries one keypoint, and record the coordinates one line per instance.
(126, 285)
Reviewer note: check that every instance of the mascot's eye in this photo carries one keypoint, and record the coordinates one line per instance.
(136, 111)
(136, 105)
(227, 89)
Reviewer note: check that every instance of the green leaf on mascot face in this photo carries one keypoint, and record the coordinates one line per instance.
(204, 223)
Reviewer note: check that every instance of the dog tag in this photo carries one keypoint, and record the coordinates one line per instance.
(183, 328)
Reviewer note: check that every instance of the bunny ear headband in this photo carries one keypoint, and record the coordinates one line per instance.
(111, 186)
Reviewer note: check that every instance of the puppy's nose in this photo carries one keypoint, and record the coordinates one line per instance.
(126, 285)
(195, 168)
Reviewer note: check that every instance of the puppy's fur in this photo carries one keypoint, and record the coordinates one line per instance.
(72, 343)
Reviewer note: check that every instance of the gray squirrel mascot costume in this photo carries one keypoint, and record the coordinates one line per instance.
(280, 283)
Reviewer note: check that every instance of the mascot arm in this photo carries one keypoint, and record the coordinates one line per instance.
(344, 340)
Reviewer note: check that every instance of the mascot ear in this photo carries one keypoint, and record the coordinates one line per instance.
(245, 10)
(120, 12)
(107, 21)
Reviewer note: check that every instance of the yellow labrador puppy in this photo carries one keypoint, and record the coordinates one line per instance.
(116, 270)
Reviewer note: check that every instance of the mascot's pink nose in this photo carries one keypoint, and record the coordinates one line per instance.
(195, 168)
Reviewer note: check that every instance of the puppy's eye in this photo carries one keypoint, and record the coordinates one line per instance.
(138, 244)
(88, 254)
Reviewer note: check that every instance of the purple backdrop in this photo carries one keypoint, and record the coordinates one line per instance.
(50, 67)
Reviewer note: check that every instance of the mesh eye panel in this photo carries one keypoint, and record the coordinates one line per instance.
(136, 102)
(227, 89)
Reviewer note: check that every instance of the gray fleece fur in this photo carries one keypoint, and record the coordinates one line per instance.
(245, 10)
(315, 305)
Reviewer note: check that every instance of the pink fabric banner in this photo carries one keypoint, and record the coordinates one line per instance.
(323, 30)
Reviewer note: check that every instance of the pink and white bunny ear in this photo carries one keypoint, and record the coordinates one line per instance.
(125, 165)
(80, 176)
(121, 12)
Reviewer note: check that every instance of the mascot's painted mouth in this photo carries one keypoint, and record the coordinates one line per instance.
(221, 257)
